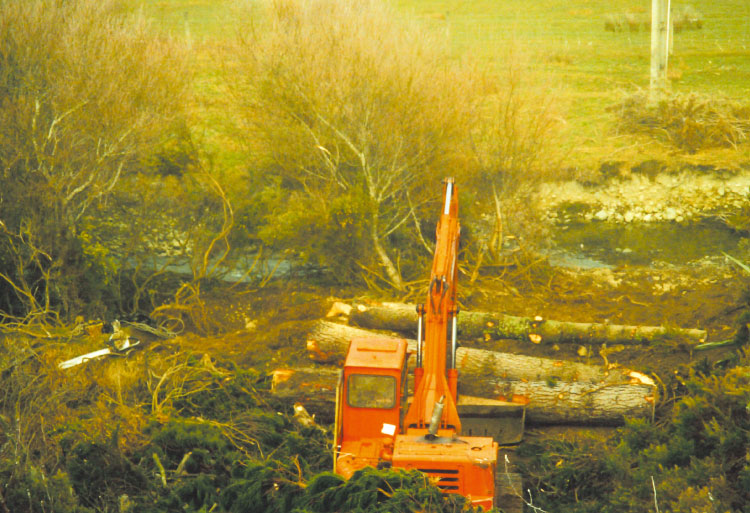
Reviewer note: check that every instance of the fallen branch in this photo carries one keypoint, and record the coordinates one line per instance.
(478, 325)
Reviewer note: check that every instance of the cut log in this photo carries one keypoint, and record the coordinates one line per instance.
(579, 403)
(547, 402)
(329, 341)
(314, 387)
(473, 325)
(304, 383)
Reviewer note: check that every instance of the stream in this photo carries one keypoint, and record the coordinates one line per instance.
(607, 244)
(576, 244)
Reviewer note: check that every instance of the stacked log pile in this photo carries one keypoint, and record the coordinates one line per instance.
(554, 391)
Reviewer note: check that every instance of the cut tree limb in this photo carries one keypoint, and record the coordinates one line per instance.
(328, 342)
(547, 402)
(473, 325)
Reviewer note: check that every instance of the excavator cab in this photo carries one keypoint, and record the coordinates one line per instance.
(371, 402)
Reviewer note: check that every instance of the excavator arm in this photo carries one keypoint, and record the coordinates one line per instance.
(436, 375)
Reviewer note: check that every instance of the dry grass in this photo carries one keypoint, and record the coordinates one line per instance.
(690, 122)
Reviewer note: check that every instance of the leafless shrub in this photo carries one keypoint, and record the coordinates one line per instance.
(32, 397)
(688, 121)
(342, 101)
(516, 148)
(210, 251)
(686, 17)
(85, 93)
(614, 23)
(682, 18)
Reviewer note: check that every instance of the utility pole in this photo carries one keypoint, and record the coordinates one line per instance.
(659, 48)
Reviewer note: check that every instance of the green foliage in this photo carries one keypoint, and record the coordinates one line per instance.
(310, 446)
(196, 458)
(325, 491)
(212, 471)
(24, 487)
(210, 450)
(263, 487)
(100, 474)
(246, 390)
(388, 490)
(576, 473)
(207, 461)
(271, 488)
(698, 459)
(244, 402)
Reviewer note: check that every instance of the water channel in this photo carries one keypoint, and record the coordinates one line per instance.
(605, 244)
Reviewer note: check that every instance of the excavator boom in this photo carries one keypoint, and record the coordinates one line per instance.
(433, 380)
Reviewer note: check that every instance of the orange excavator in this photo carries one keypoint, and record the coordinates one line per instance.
(379, 425)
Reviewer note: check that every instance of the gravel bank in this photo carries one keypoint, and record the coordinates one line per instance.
(678, 197)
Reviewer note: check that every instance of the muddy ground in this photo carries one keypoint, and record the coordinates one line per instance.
(267, 327)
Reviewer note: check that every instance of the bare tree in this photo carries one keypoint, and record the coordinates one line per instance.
(85, 94)
(517, 144)
(339, 99)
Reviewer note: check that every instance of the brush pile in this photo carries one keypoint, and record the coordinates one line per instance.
(690, 122)
(169, 429)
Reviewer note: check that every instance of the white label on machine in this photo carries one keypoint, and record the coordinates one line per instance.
(388, 429)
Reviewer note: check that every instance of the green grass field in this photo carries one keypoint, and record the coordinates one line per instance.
(563, 42)
(568, 39)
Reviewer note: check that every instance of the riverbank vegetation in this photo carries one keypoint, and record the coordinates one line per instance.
(218, 171)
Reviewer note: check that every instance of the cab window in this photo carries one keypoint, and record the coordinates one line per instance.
(371, 391)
